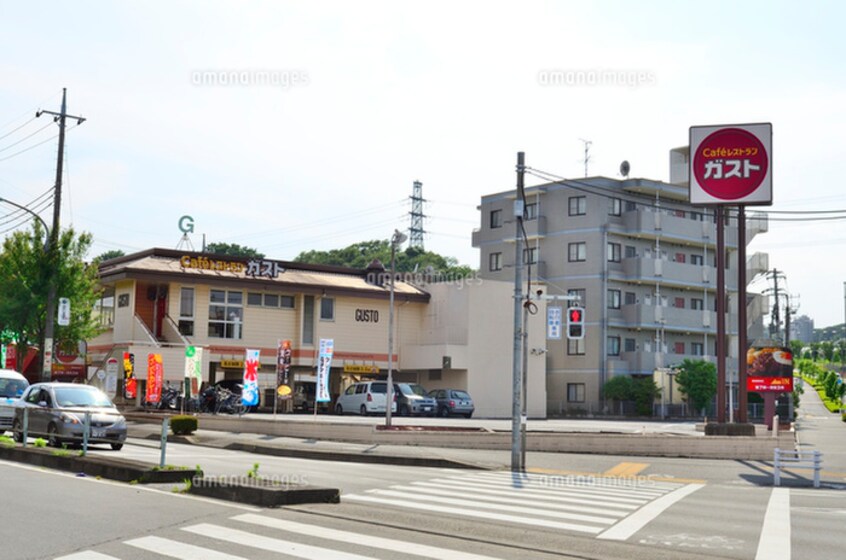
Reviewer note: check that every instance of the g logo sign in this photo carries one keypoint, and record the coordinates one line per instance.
(186, 224)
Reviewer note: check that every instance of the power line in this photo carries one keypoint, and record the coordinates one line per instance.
(13, 144)
(18, 128)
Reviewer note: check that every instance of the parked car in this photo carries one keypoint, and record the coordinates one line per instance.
(57, 411)
(367, 397)
(412, 400)
(453, 401)
(12, 386)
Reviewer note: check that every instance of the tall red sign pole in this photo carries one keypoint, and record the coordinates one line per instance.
(731, 165)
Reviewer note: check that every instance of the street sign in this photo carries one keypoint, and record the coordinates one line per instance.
(553, 323)
(731, 164)
(64, 312)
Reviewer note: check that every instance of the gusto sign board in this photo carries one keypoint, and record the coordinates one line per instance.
(731, 164)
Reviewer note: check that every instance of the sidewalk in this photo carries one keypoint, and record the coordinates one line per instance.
(410, 455)
(817, 428)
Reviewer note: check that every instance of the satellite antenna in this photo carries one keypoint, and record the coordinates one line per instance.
(625, 168)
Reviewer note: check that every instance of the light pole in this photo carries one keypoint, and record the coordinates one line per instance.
(397, 240)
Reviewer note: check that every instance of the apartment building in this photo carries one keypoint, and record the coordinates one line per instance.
(641, 261)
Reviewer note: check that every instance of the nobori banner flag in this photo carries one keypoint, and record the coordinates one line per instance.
(324, 364)
(194, 369)
(731, 164)
(249, 392)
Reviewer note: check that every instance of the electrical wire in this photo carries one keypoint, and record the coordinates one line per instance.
(18, 128)
(13, 144)
(669, 204)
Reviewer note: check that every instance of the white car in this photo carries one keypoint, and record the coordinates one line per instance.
(12, 386)
(365, 398)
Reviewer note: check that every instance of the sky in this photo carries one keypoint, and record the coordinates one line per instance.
(289, 126)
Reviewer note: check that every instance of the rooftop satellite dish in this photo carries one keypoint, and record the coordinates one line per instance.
(625, 168)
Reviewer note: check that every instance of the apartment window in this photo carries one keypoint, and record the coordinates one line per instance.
(308, 319)
(678, 303)
(630, 345)
(532, 211)
(614, 252)
(697, 348)
(630, 298)
(576, 293)
(186, 311)
(631, 206)
(615, 207)
(226, 314)
(576, 347)
(327, 309)
(631, 252)
(575, 392)
(698, 260)
(681, 257)
(530, 255)
(614, 299)
(678, 348)
(105, 308)
(495, 261)
(578, 205)
(613, 345)
(496, 219)
(678, 213)
(577, 252)
(697, 304)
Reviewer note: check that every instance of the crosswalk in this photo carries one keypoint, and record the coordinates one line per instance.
(609, 508)
(602, 507)
(285, 541)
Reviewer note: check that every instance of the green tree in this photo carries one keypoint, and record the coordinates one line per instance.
(359, 255)
(113, 254)
(644, 392)
(697, 381)
(796, 348)
(25, 273)
(618, 388)
(233, 250)
(827, 349)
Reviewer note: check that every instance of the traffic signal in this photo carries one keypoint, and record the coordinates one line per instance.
(576, 323)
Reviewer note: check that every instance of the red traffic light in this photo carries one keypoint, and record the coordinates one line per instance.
(575, 323)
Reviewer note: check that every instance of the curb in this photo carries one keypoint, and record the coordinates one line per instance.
(122, 470)
(326, 455)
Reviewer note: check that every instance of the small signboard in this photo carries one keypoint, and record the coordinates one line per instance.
(769, 370)
(553, 323)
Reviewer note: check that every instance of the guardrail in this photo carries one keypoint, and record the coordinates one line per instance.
(89, 433)
(784, 458)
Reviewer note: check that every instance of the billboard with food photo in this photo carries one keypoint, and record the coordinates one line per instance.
(769, 370)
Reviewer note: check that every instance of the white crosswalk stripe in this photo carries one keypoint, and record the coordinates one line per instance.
(282, 539)
(582, 504)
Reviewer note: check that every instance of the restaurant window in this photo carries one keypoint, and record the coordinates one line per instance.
(186, 311)
(327, 309)
(226, 314)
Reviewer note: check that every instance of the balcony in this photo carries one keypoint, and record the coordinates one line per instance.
(651, 223)
(641, 363)
(646, 315)
(670, 273)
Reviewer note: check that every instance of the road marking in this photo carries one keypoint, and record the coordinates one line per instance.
(349, 537)
(626, 469)
(775, 534)
(87, 555)
(531, 499)
(638, 520)
(266, 543)
(480, 514)
(653, 478)
(175, 549)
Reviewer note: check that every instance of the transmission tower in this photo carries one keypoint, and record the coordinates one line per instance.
(415, 238)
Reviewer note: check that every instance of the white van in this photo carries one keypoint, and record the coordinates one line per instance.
(367, 397)
(12, 386)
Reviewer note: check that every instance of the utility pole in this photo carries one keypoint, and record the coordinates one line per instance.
(775, 326)
(517, 363)
(52, 257)
(415, 232)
